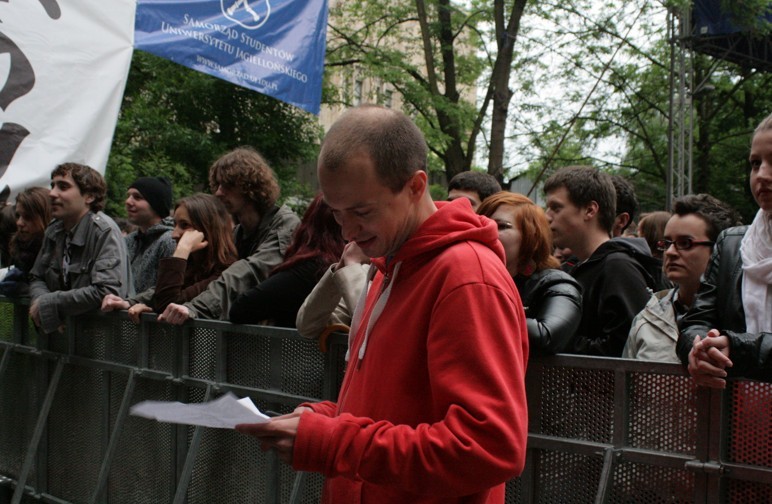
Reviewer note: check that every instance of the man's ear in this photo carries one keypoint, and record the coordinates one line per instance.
(88, 198)
(591, 210)
(418, 183)
(622, 220)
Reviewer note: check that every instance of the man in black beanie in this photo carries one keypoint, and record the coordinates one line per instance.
(148, 203)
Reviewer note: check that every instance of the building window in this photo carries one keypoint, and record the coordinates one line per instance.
(387, 97)
(357, 92)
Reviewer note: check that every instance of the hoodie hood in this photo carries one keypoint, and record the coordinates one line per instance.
(637, 244)
(638, 249)
(453, 222)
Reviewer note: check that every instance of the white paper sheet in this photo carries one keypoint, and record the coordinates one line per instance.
(223, 413)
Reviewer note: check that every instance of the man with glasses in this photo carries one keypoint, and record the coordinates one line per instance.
(688, 242)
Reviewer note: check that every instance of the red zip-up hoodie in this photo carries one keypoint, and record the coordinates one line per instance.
(432, 407)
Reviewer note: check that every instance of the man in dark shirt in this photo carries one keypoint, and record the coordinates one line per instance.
(581, 209)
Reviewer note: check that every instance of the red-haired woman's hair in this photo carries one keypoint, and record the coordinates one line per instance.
(318, 236)
(536, 236)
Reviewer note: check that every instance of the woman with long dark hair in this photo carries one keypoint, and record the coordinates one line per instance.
(203, 232)
(33, 213)
(551, 298)
(316, 244)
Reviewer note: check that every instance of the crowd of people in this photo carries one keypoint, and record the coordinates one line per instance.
(443, 300)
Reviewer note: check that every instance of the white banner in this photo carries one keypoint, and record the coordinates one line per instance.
(63, 68)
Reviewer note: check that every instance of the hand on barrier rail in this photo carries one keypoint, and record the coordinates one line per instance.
(137, 310)
(708, 360)
(112, 302)
(278, 434)
(34, 312)
(175, 314)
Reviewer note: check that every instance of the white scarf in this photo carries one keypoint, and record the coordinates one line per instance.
(756, 251)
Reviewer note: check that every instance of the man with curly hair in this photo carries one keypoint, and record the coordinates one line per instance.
(248, 188)
(83, 257)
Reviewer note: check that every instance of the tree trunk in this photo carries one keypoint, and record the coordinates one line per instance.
(502, 95)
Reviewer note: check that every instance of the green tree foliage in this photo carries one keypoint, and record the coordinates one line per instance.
(436, 54)
(621, 99)
(175, 121)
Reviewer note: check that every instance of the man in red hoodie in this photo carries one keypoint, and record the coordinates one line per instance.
(432, 407)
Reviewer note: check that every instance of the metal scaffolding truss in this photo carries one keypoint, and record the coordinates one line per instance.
(686, 38)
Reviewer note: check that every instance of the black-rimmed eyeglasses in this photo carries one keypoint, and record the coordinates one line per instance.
(680, 244)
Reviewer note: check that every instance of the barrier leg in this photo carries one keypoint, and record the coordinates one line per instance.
(29, 459)
(123, 413)
(187, 470)
(605, 475)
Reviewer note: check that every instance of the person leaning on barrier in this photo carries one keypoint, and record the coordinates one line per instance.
(316, 243)
(148, 202)
(686, 244)
(83, 257)
(33, 213)
(248, 188)
(203, 234)
(433, 405)
(551, 297)
(728, 329)
(330, 305)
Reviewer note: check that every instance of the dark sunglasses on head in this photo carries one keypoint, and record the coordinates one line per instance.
(680, 244)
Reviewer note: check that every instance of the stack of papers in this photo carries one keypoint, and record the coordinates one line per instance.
(223, 413)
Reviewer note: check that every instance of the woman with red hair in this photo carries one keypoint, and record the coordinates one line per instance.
(316, 244)
(551, 298)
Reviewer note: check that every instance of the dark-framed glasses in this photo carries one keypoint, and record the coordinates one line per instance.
(683, 243)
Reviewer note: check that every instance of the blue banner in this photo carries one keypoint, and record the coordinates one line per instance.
(275, 47)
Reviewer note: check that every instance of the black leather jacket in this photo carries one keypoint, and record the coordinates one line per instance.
(553, 309)
(719, 305)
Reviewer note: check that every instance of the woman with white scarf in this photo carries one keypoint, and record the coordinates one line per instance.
(728, 330)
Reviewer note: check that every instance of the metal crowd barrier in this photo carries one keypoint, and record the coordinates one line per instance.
(601, 430)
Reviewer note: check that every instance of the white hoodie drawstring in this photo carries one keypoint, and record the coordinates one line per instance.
(380, 304)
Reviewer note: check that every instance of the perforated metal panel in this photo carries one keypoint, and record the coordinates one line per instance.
(566, 478)
(162, 347)
(6, 321)
(750, 440)
(144, 468)
(75, 426)
(748, 492)
(203, 351)
(249, 360)
(93, 336)
(302, 367)
(663, 413)
(125, 342)
(577, 403)
(514, 492)
(20, 399)
(646, 484)
(229, 468)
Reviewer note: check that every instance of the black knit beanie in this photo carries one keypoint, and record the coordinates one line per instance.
(158, 193)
